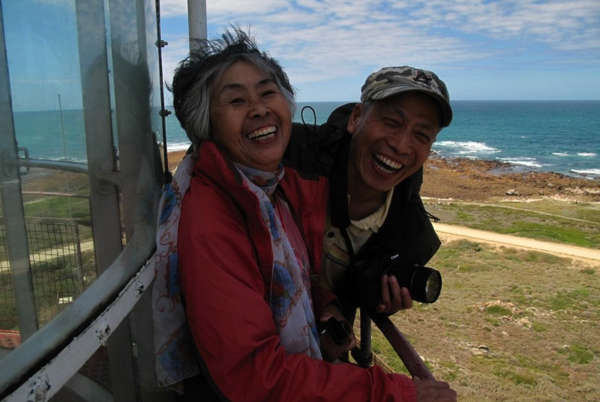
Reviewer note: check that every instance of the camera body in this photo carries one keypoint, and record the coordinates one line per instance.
(423, 283)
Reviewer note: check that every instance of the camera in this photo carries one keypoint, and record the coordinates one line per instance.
(424, 283)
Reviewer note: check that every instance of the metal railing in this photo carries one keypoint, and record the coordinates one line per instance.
(58, 271)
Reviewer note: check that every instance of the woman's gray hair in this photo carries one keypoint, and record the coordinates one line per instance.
(194, 76)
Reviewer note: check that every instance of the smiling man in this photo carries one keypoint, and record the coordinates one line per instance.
(373, 153)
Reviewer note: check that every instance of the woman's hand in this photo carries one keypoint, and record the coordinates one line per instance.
(333, 348)
(393, 297)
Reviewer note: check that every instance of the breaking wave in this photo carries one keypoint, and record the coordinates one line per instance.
(466, 147)
(524, 161)
(587, 172)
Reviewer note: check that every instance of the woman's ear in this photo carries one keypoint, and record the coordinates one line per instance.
(354, 120)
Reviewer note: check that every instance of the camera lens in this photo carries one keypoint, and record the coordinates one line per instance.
(433, 287)
(426, 285)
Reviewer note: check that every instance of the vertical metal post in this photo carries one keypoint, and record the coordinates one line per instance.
(79, 270)
(133, 55)
(12, 204)
(104, 196)
(365, 356)
(196, 21)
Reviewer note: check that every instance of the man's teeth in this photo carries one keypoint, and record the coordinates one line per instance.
(262, 132)
(387, 163)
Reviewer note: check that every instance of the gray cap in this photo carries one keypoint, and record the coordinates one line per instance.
(394, 80)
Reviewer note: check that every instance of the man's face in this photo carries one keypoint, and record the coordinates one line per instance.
(250, 117)
(391, 140)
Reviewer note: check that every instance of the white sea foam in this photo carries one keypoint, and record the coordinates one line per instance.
(178, 146)
(561, 154)
(467, 147)
(587, 172)
(586, 154)
(529, 162)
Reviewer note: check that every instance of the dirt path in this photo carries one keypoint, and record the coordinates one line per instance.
(451, 232)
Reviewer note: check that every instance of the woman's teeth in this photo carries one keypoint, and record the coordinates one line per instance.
(388, 165)
(262, 133)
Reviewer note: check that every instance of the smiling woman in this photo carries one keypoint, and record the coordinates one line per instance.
(196, 77)
(260, 141)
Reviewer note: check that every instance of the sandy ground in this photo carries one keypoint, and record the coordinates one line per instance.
(451, 232)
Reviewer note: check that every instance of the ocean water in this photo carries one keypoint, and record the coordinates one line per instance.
(558, 136)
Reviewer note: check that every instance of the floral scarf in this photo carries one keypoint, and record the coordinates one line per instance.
(174, 347)
(289, 295)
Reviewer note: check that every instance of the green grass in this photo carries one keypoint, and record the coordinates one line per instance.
(578, 210)
(545, 220)
(497, 310)
(59, 207)
(52, 279)
(516, 378)
(579, 354)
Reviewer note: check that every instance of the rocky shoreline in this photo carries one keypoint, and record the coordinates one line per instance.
(480, 180)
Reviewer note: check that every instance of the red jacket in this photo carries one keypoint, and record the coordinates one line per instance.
(225, 263)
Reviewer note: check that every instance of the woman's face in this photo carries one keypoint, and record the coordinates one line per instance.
(250, 117)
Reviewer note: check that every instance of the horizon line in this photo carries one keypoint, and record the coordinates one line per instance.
(350, 101)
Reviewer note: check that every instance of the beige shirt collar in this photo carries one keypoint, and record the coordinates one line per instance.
(375, 221)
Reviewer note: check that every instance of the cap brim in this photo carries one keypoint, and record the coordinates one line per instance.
(445, 107)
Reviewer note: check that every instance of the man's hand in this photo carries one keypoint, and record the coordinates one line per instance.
(431, 390)
(393, 297)
(331, 350)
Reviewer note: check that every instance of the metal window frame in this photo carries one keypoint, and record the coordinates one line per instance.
(12, 203)
(118, 265)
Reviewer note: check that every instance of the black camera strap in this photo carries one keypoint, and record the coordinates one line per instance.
(363, 354)
(348, 242)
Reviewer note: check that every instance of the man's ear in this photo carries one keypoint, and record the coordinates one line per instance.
(354, 120)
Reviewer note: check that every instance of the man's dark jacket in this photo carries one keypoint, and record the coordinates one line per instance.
(323, 151)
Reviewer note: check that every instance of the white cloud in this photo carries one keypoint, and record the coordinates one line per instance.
(173, 8)
(322, 40)
(172, 54)
(226, 9)
(552, 22)
(68, 3)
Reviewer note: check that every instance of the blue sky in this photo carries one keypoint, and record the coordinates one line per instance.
(482, 49)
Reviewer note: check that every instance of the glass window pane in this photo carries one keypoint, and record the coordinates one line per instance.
(46, 98)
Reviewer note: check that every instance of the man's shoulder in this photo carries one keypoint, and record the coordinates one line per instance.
(339, 117)
(313, 149)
